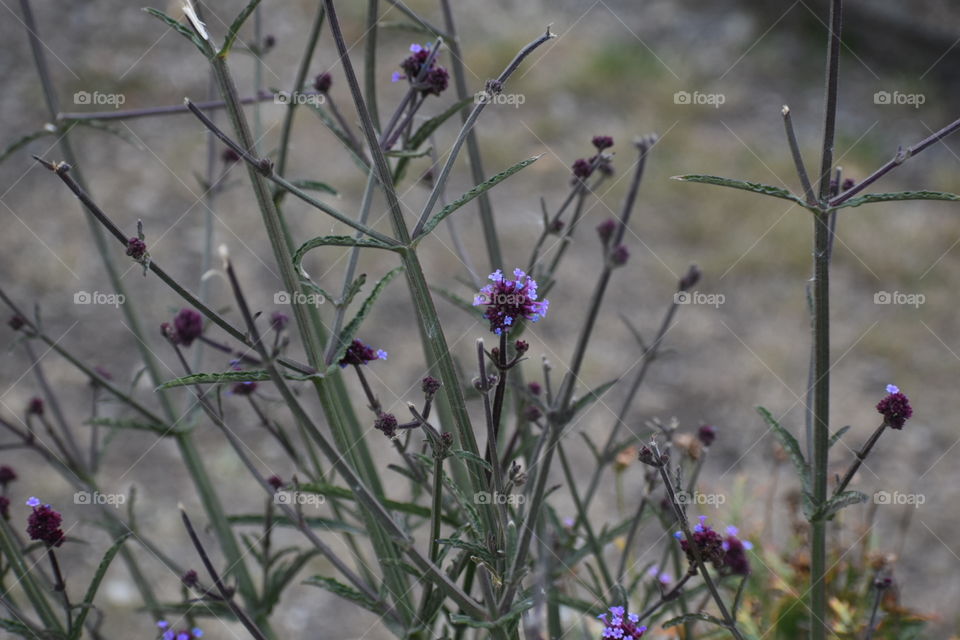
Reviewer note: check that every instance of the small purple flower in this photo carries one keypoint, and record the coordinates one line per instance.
(895, 408)
(229, 156)
(430, 80)
(606, 230)
(707, 434)
(535, 388)
(735, 553)
(386, 423)
(187, 327)
(359, 353)
(430, 386)
(183, 634)
(619, 255)
(35, 407)
(708, 542)
(276, 482)
(43, 524)
(279, 320)
(7, 475)
(582, 168)
(602, 142)
(323, 82)
(244, 388)
(508, 301)
(16, 322)
(189, 579)
(621, 625)
(136, 248)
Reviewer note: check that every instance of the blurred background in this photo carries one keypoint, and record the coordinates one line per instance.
(709, 78)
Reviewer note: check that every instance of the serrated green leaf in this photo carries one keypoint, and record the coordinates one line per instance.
(835, 438)
(753, 187)
(98, 576)
(350, 330)
(23, 141)
(791, 446)
(337, 241)
(342, 590)
(235, 27)
(841, 500)
(871, 198)
(423, 133)
(470, 547)
(483, 187)
(590, 397)
(689, 617)
(471, 457)
(179, 27)
(314, 185)
(227, 377)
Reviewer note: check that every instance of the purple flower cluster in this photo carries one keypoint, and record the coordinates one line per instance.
(728, 554)
(895, 407)
(187, 327)
(510, 300)
(359, 353)
(183, 634)
(136, 248)
(435, 78)
(44, 524)
(583, 168)
(621, 625)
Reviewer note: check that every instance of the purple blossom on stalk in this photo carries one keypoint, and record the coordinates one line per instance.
(386, 423)
(662, 577)
(136, 248)
(508, 301)
(735, 553)
(359, 353)
(621, 625)
(7, 475)
(707, 434)
(602, 142)
(619, 255)
(16, 322)
(187, 327)
(35, 407)
(43, 524)
(323, 82)
(895, 407)
(183, 634)
(435, 78)
(279, 320)
(606, 229)
(582, 168)
(708, 542)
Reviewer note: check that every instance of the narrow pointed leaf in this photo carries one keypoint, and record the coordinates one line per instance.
(179, 27)
(98, 576)
(337, 241)
(314, 185)
(835, 438)
(342, 590)
(473, 193)
(235, 27)
(870, 198)
(791, 446)
(841, 500)
(753, 187)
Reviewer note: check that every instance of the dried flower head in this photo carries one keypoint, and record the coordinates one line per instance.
(895, 408)
(359, 353)
(7, 475)
(43, 524)
(707, 433)
(621, 625)
(387, 424)
(323, 82)
(602, 142)
(508, 301)
(625, 458)
(136, 248)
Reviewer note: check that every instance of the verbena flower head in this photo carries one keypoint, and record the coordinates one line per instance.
(35, 406)
(386, 423)
(707, 434)
(136, 248)
(187, 327)
(279, 320)
(735, 553)
(43, 524)
(435, 78)
(184, 634)
(895, 407)
(7, 475)
(359, 353)
(621, 625)
(707, 541)
(323, 82)
(508, 301)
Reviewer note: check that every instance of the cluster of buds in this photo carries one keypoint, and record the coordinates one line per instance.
(728, 554)
(186, 327)
(583, 168)
(43, 525)
(422, 71)
(895, 408)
